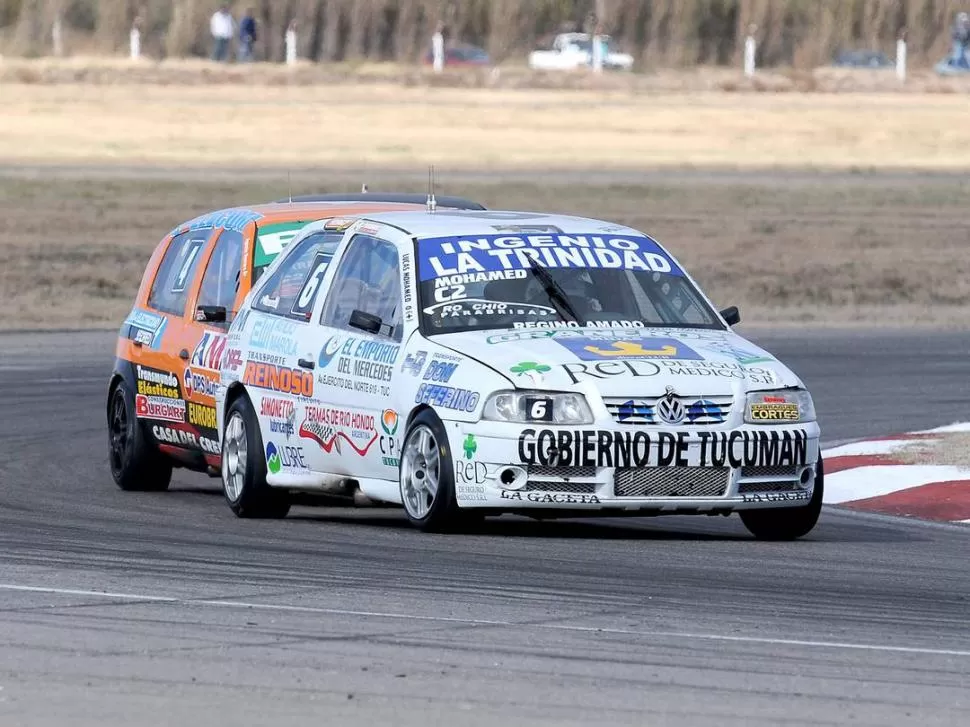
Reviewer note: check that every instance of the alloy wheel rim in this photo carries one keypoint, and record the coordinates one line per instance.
(420, 472)
(234, 452)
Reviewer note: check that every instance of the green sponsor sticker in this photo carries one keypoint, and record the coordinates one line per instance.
(272, 239)
(526, 367)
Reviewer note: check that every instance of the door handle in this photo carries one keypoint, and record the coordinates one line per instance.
(184, 354)
(307, 363)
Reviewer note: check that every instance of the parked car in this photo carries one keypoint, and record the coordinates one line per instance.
(161, 392)
(575, 50)
(471, 363)
(462, 56)
(862, 59)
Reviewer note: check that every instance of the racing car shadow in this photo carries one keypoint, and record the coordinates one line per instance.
(519, 526)
(608, 529)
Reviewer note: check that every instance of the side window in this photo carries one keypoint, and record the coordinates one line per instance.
(171, 287)
(221, 280)
(368, 279)
(293, 287)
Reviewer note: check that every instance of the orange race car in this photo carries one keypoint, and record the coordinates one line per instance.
(160, 404)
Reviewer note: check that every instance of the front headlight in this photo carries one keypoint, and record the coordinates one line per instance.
(781, 406)
(537, 406)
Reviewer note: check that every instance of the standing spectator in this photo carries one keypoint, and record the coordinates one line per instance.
(438, 48)
(961, 37)
(247, 36)
(221, 27)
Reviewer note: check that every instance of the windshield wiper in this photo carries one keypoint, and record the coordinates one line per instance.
(555, 292)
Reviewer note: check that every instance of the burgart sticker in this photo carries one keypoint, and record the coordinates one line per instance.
(607, 448)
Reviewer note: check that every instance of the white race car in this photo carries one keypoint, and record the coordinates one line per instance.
(471, 363)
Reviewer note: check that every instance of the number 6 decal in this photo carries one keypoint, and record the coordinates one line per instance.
(311, 286)
(538, 409)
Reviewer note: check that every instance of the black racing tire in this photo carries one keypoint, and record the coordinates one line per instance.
(136, 464)
(247, 493)
(443, 514)
(788, 523)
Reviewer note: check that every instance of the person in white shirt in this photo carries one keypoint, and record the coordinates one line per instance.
(221, 27)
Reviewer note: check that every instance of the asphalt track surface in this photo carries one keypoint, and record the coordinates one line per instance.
(159, 609)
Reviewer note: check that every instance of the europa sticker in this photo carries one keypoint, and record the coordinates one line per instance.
(443, 256)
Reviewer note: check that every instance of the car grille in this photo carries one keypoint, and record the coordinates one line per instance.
(700, 411)
(791, 486)
(577, 487)
(671, 482)
(787, 471)
(560, 473)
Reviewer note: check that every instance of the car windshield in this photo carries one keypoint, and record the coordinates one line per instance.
(488, 282)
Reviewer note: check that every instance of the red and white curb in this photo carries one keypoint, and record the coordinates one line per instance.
(865, 475)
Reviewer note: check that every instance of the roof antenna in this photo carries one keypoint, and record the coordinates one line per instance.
(432, 202)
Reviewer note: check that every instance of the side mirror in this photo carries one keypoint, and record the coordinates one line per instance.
(210, 314)
(732, 315)
(365, 321)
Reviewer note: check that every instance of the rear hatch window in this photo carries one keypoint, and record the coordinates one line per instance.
(271, 240)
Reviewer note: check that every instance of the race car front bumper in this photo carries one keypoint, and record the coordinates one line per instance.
(625, 471)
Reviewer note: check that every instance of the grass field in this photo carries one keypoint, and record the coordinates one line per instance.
(859, 245)
(854, 248)
(392, 126)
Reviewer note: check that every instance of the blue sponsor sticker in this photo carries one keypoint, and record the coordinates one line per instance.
(274, 335)
(231, 219)
(330, 349)
(592, 349)
(145, 328)
(443, 256)
(447, 397)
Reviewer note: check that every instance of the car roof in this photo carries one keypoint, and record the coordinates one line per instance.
(277, 211)
(393, 197)
(345, 205)
(455, 223)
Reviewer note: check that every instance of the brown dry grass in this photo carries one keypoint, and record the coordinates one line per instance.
(107, 70)
(949, 449)
(852, 249)
(391, 126)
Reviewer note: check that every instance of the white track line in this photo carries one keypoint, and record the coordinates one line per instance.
(144, 598)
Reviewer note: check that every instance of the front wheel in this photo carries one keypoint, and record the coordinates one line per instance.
(244, 467)
(787, 523)
(427, 475)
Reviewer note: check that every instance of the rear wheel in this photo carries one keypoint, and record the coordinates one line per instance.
(787, 523)
(244, 467)
(427, 476)
(136, 465)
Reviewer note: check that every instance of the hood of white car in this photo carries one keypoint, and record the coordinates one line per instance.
(625, 362)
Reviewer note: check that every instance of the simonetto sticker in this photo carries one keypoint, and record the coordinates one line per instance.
(444, 256)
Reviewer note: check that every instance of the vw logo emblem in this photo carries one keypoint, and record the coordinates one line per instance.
(670, 409)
